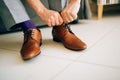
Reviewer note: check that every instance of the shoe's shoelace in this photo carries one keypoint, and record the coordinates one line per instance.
(29, 34)
(68, 28)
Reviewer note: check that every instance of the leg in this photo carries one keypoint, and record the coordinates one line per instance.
(6, 18)
(32, 36)
(58, 6)
(100, 11)
(17, 10)
(12, 13)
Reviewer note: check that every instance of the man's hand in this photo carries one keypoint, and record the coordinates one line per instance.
(51, 18)
(70, 11)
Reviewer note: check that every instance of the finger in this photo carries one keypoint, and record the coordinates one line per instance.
(49, 23)
(69, 18)
(74, 16)
(65, 17)
(60, 20)
(52, 21)
(57, 21)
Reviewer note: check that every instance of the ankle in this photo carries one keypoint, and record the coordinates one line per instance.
(27, 25)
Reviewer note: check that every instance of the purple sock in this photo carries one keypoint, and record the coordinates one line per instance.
(27, 25)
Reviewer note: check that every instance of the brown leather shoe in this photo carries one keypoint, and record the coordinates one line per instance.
(31, 45)
(67, 37)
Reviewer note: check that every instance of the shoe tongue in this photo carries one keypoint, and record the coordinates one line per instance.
(64, 27)
(68, 28)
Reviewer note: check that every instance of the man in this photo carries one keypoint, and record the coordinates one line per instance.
(59, 14)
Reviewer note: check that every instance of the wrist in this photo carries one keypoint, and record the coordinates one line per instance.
(41, 11)
(37, 6)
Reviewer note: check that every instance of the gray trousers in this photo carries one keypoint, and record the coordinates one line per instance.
(17, 11)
